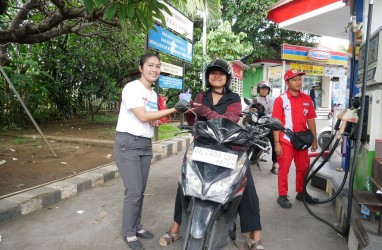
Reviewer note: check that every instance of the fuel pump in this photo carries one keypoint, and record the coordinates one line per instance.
(372, 129)
(369, 80)
(343, 127)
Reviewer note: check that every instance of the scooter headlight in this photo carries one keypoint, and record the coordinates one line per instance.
(219, 191)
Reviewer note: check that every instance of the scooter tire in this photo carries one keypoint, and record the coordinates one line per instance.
(330, 115)
(320, 139)
(195, 244)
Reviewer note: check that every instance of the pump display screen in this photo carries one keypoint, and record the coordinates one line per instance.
(372, 76)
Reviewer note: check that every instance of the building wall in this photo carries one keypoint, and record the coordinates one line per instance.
(251, 78)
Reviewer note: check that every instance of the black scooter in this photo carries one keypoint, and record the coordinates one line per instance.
(213, 178)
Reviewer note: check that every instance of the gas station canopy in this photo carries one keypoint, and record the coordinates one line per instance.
(319, 17)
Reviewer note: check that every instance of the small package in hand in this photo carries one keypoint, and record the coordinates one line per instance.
(185, 96)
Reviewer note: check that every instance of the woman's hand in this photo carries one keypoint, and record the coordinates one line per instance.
(156, 123)
(194, 106)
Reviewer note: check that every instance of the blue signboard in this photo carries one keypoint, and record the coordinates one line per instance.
(170, 82)
(166, 42)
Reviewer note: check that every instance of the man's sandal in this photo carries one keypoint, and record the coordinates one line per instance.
(168, 238)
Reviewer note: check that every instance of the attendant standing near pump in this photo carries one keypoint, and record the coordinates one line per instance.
(296, 112)
(264, 89)
(133, 148)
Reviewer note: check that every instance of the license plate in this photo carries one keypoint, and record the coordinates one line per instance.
(214, 157)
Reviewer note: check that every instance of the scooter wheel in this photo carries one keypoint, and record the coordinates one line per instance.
(193, 243)
(323, 138)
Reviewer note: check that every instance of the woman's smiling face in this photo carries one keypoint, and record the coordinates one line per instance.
(151, 69)
(217, 78)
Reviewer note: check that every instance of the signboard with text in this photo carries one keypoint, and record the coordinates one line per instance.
(307, 54)
(171, 69)
(169, 43)
(178, 22)
(309, 69)
(170, 82)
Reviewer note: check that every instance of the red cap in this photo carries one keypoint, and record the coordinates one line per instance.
(292, 73)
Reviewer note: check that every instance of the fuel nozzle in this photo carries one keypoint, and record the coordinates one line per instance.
(346, 116)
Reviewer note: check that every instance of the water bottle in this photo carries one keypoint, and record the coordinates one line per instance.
(365, 211)
(367, 186)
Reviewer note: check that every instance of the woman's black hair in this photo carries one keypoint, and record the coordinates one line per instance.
(147, 56)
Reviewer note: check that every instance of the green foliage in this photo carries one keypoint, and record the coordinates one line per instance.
(32, 83)
(265, 36)
(193, 8)
(55, 79)
(223, 43)
(139, 14)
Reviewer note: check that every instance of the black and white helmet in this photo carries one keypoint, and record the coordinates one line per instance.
(263, 84)
(220, 65)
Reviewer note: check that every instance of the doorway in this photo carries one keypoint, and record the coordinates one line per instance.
(308, 82)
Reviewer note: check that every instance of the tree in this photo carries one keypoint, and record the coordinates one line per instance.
(36, 21)
(56, 78)
(222, 43)
(265, 36)
(58, 52)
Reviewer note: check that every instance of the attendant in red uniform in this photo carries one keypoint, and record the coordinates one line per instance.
(296, 111)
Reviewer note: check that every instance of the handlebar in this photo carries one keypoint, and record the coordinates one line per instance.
(260, 143)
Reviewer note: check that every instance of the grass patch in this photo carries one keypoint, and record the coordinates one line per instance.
(167, 131)
(19, 140)
(104, 118)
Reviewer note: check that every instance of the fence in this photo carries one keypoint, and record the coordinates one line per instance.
(106, 107)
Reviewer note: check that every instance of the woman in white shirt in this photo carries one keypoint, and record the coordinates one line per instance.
(138, 116)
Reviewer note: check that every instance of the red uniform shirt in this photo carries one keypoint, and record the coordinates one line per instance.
(293, 112)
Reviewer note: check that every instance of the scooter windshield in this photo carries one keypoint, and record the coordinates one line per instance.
(221, 131)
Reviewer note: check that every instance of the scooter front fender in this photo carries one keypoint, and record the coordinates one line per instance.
(203, 212)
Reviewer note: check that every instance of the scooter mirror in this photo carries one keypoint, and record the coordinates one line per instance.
(275, 124)
(246, 101)
(182, 106)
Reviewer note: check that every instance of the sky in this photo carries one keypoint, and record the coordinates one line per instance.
(333, 43)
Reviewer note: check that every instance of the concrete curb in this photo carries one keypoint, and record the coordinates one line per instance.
(21, 204)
